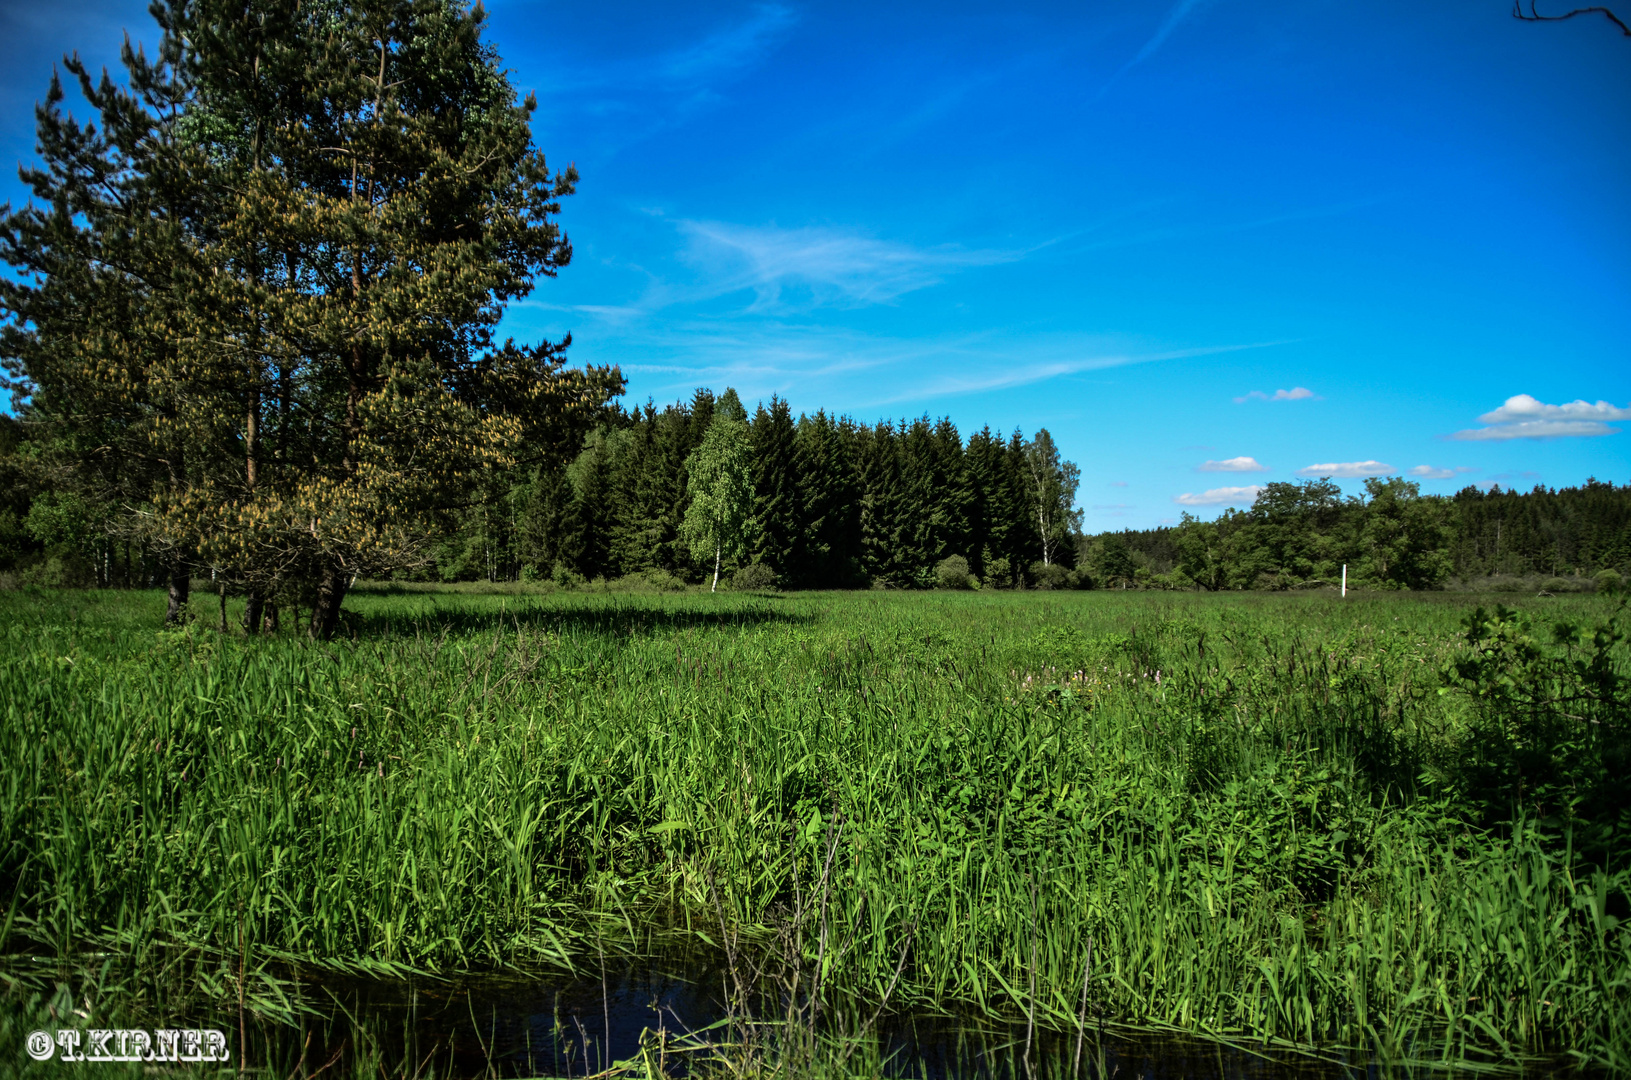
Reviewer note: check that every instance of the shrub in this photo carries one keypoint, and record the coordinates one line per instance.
(648, 581)
(1550, 733)
(952, 573)
(1050, 576)
(999, 574)
(1557, 585)
(755, 576)
(1609, 582)
(663, 581)
(565, 577)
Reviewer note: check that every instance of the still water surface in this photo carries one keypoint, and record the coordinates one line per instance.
(580, 1025)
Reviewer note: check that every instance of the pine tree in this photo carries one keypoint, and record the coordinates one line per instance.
(586, 535)
(1023, 546)
(880, 510)
(987, 508)
(544, 523)
(778, 540)
(98, 252)
(636, 498)
(953, 495)
(314, 217)
(729, 406)
(831, 504)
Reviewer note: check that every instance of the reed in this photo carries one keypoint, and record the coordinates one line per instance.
(1231, 815)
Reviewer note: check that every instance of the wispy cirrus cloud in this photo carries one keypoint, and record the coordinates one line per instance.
(1223, 496)
(1175, 18)
(1434, 472)
(762, 354)
(1347, 470)
(819, 265)
(728, 48)
(636, 94)
(1525, 417)
(1020, 372)
(1296, 393)
(721, 52)
(1234, 464)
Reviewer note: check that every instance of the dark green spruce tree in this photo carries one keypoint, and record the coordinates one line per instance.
(777, 503)
(830, 486)
(881, 527)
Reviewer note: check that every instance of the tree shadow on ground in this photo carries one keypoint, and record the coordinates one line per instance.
(635, 616)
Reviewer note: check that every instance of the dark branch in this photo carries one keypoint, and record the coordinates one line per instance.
(1534, 16)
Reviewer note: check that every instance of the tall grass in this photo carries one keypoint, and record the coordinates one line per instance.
(1228, 815)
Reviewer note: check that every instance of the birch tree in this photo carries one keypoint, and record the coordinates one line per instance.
(718, 522)
(1052, 485)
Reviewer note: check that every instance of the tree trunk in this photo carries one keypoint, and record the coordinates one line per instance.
(269, 624)
(325, 613)
(254, 609)
(180, 583)
(717, 549)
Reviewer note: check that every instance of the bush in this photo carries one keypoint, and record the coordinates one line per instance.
(663, 581)
(1551, 719)
(648, 581)
(952, 573)
(1050, 576)
(999, 574)
(1557, 585)
(1609, 582)
(565, 577)
(756, 576)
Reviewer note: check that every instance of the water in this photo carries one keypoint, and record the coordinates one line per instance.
(679, 1009)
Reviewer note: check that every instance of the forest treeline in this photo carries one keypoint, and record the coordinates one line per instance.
(834, 504)
(1301, 535)
(837, 503)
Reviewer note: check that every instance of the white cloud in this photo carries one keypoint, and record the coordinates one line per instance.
(1223, 496)
(1347, 470)
(1524, 417)
(1234, 464)
(1296, 393)
(841, 267)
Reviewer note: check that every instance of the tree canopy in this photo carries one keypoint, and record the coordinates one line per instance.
(255, 303)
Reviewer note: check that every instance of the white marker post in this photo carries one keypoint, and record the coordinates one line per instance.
(1344, 580)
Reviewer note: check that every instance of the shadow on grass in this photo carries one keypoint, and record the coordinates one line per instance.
(621, 617)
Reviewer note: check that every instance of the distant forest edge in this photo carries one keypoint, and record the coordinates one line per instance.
(903, 504)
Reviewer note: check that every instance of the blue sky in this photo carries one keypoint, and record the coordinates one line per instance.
(1206, 244)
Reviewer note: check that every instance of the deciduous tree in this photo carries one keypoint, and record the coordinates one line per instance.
(717, 523)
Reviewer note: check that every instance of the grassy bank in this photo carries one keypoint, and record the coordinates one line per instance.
(1264, 815)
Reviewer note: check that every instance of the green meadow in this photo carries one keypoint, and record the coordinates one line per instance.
(1393, 824)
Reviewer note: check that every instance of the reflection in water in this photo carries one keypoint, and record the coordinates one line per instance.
(675, 1011)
